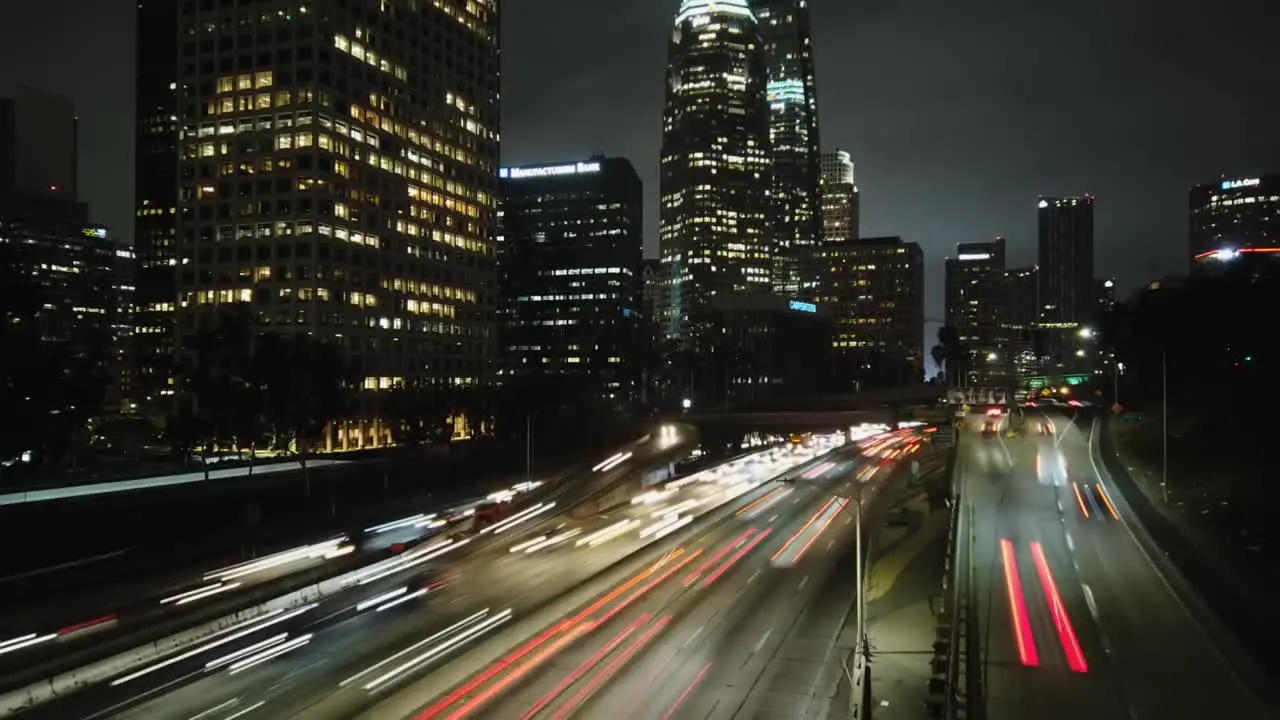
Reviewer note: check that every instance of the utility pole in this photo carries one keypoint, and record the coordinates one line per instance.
(528, 447)
(1164, 412)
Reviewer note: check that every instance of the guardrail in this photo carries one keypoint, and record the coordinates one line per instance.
(956, 689)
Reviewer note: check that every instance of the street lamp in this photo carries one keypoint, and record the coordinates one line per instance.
(992, 357)
(1086, 333)
(686, 403)
(1080, 352)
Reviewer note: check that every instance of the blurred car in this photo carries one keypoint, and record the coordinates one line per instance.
(989, 429)
(1046, 428)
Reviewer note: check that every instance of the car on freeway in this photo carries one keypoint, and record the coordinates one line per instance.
(989, 429)
(1046, 429)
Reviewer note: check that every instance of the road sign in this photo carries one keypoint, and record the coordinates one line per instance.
(945, 437)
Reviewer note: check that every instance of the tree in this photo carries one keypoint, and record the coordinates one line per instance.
(956, 354)
(306, 385)
(222, 385)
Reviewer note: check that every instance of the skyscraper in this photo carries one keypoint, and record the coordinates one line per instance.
(796, 201)
(1019, 326)
(714, 184)
(839, 198)
(338, 178)
(1235, 226)
(1067, 297)
(569, 263)
(975, 305)
(156, 197)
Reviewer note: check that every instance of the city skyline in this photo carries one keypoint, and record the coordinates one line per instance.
(902, 153)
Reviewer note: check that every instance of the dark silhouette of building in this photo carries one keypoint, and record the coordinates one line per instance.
(1020, 325)
(1066, 274)
(156, 200)
(715, 167)
(1235, 226)
(874, 288)
(338, 178)
(768, 348)
(976, 303)
(83, 276)
(796, 207)
(569, 261)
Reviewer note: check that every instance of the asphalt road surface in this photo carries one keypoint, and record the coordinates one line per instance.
(1075, 620)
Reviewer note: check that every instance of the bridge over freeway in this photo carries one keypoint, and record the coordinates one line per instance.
(913, 402)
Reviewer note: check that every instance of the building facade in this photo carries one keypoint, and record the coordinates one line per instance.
(1066, 275)
(839, 198)
(875, 290)
(976, 306)
(156, 203)
(768, 348)
(715, 231)
(338, 178)
(796, 199)
(569, 262)
(1020, 325)
(1235, 226)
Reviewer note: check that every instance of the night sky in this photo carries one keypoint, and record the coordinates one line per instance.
(957, 114)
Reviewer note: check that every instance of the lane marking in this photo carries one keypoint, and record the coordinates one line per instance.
(803, 581)
(1088, 599)
(763, 638)
(693, 637)
(1071, 544)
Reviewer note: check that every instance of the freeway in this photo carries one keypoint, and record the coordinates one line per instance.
(1075, 618)
(37, 650)
(317, 647)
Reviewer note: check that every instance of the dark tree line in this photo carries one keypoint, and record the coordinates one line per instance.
(1214, 340)
(246, 391)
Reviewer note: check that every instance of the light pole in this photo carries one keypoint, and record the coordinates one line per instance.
(528, 447)
(1164, 412)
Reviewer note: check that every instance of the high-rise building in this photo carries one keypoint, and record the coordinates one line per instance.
(1020, 323)
(796, 200)
(839, 198)
(715, 230)
(1235, 226)
(569, 259)
(975, 306)
(156, 199)
(338, 177)
(875, 289)
(1066, 274)
(38, 146)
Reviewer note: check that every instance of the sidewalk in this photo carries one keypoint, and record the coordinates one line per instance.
(904, 582)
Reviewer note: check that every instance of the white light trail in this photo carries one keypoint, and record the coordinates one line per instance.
(456, 627)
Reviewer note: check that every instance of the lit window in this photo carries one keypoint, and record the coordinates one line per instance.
(263, 79)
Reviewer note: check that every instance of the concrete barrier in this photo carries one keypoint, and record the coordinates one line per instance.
(71, 681)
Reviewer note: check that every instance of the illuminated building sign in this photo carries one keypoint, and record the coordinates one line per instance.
(802, 306)
(97, 233)
(581, 168)
(1242, 183)
(975, 256)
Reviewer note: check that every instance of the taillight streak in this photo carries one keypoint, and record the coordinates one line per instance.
(586, 667)
(1106, 499)
(675, 707)
(822, 528)
(732, 545)
(611, 669)
(736, 557)
(801, 531)
(1061, 621)
(1018, 605)
(1080, 500)
(515, 675)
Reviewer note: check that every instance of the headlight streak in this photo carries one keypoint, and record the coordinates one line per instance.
(403, 522)
(604, 535)
(25, 641)
(242, 652)
(268, 654)
(404, 562)
(379, 599)
(243, 630)
(553, 540)
(444, 647)
(305, 552)
(403, 599)
(518, 518)
(470, 620)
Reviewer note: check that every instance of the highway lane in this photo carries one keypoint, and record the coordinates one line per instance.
(49, 649)
(1075, 621)
(700, 639)
(520, 580)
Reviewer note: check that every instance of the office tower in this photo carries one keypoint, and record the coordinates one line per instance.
(796, 200)
(1235, 226)
(76, 270)
(875, 288)
(38, 146)
(1067, 297)
(569, 259)
(156, 198)
(839, 198)
(338, 178)
(1020, 323)
(975, 305)
(715, 230)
